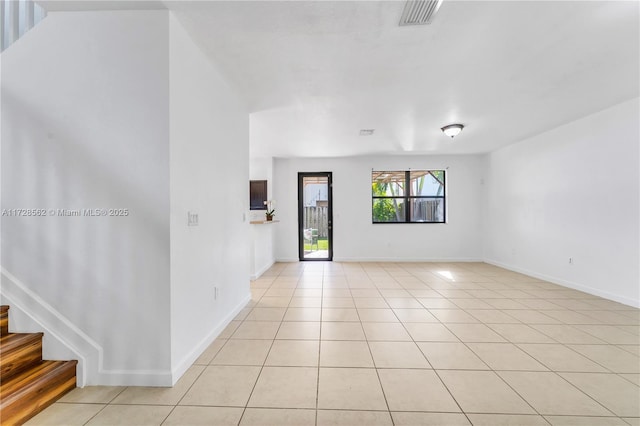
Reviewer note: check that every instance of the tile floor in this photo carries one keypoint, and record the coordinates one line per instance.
(396, 344)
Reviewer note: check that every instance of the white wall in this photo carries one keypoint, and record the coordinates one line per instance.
(209, 176)
(356, 238)
(571, 192)
(262, 253)
(85, 125)
(261, 168)
(262, 241)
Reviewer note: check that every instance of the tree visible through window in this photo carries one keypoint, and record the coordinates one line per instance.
(414, 196)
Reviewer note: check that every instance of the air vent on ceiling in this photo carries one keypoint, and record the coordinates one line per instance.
(419, 12)
(367, 132)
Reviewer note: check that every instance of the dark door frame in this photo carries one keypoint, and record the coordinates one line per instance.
(301, 176)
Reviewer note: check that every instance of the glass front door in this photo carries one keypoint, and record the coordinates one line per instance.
(315, 216)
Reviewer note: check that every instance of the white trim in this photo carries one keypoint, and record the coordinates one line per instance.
(186, 362)
(569, 284)
(89, 353)
(404, 260)
(392, 259)
(53, 323)
(134, 378)
(3, 6)
(262, 270)
(14, 21)
(29, 9)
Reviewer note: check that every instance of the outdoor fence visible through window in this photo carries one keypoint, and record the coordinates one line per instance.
(412, 196)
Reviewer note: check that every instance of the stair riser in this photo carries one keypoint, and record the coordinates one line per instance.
(39, 397)
(20, 359)
(4, 323)
(27, 383)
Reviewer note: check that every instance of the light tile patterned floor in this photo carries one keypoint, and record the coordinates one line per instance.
(397, 343)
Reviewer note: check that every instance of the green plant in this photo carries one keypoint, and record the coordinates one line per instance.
(323, 244)
(385, 210)
(271, 211)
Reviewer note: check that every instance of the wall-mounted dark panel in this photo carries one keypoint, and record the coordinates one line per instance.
(257, 194)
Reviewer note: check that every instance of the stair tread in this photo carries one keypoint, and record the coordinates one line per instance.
(31, 391)
(12, 341)
(19, 352)
(33, 377)
(28, 384)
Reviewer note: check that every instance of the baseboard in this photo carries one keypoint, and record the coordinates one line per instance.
(405, 260)
(54, 325)
(568, 284)
(288, 260)
(159, 378)
(390, 259)
(262, 270)
(90, 371)
(192, 356)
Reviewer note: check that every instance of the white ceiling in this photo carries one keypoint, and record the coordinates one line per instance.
(313, 73)
(316, 72)
(73, 5)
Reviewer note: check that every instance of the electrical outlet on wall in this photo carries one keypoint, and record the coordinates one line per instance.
(216, 293)
(571, 261)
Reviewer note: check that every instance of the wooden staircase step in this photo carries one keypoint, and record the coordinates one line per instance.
(18, 352)
(4, 320)
(26, 394)
(27, 383)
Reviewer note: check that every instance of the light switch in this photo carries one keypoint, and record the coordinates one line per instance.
(192, 219)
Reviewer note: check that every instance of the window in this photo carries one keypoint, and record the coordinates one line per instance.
(257, 194)
(415, 196)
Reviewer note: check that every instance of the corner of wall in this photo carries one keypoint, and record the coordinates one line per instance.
(257, 274)
(187, 361)
(534, 223)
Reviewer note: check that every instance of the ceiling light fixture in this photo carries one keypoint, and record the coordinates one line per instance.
(452, 130)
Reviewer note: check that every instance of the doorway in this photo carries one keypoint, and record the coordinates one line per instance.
(315, 216)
